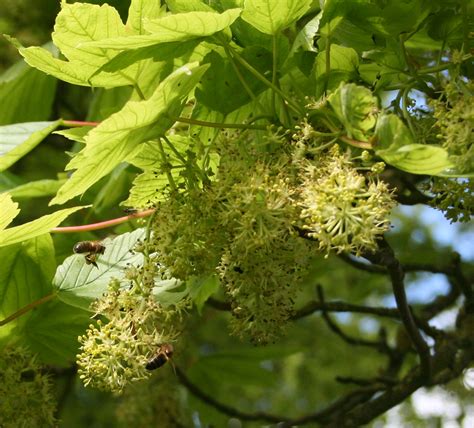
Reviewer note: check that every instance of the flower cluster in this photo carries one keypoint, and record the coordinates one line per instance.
(249, 223)
(26, 393)
(114, 353)
(455, 121)
(454, 196)
(340, 208)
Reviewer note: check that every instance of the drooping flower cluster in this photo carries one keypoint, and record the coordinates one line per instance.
(455, 121)
(26, 396)
(455, 124)
(249, 223)
(342, 209)
(115, 352)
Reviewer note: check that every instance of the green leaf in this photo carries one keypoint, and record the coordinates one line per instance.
(35, 228)
(26, 273)
(150, 187)
(9, 210)
(396, 147)
(305, 38)
(75, 134)
(221, 89)
(356, 108)
(78, 283)
(201, 289)
(52, 330)
(36, 189)
(19, 139)
(140, 10)
(27, 94)
(272, 16)
(118, 137)
(391, 133)
(173, 28)
(181, 6)
(418, 159)
(77, 24)
(343, 64)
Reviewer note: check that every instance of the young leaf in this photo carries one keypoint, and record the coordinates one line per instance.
(396, 147)
(76, 24)
(418, 159)
(143, 9)
(35, 228)
(272, 16)
(356, 108)
(20, 138)
(173, 28)
(9, 210)
(117, 137)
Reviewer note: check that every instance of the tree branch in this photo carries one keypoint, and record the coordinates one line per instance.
(224, 408)
(386, 257)
(381, 346)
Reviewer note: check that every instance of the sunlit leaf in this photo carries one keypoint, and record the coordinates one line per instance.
(35, 228)
(20, 138)
(9, 210)
(117, 137)
(140, 10)
(77, 24)
(272, 16)
(173, 28)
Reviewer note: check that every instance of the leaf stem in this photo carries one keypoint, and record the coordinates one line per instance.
(262, 78)
(219, 125)
(78, 123)
(27, 308)
(102, 224)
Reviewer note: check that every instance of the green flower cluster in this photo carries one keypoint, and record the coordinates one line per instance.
(26, 393)
(342, 209)
(455, 121)
(249, 223)
(454, 197)
(114, 353)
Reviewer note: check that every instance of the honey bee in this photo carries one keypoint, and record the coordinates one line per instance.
(165, 352)
(92, 248)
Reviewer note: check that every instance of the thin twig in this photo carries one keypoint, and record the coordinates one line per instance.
(380, 346)
(224, 408)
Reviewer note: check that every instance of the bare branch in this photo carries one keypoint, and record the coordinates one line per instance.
(380, 345)
(386, 257)
(224, 408)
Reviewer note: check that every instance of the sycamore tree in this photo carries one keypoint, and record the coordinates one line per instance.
(207, 213)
